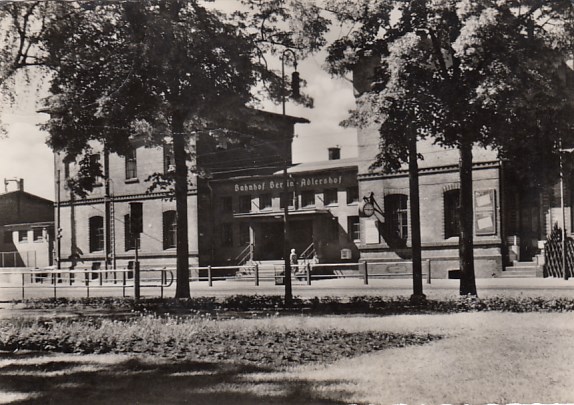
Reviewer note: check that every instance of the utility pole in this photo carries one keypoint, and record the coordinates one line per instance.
(415, 218)
(286, 260)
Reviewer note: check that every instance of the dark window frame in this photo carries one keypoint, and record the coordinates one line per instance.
(451, 199)
(96, 233)
(23, 236)
(130, 239)
(169, 226)
(283, 198)
(244, 205)
(396, 215)
(38, 234)
(265, 201)
(331, 196)
(308, 198)
(131, 164)
(352, 195)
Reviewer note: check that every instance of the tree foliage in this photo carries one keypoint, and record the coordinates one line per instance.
(462, 73)
(155, 71)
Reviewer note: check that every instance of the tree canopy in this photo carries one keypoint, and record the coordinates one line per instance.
(462, 73)
(158, 70)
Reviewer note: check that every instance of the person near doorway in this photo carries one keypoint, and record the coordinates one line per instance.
(294, 260)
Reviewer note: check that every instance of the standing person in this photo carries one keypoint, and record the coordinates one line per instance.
(294, 260)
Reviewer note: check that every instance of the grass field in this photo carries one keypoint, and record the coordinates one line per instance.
(487, 357)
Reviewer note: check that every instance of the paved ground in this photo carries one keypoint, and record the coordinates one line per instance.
(334, 287)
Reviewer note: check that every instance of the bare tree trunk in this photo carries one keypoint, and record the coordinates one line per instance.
(415, 219)
(466, 247)
(179, 152)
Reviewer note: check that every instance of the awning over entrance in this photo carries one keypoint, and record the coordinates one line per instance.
(277, 214)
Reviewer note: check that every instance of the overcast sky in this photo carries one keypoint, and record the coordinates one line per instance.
(24, 154)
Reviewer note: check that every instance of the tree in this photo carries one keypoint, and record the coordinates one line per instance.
(461, 73)
(153, 69)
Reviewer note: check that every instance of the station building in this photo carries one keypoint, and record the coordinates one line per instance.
(235, 202)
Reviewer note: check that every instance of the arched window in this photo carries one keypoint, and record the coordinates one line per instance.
(396, 215)
(451, 213)
(96, 226)
(169, 229)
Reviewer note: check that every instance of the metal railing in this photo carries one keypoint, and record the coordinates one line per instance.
(87, 279)
(162, 278)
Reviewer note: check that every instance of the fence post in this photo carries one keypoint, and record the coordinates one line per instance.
(23, 281)
(162, 276)
(427, 265)
(256, 274)
(124, 283)
(308, 271)
(365, 272)
(55, 282)
(209, 279)
(88, 285)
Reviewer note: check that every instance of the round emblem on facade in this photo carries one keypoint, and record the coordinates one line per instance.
(368, 209)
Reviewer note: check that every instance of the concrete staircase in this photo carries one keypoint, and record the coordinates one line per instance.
(520, 270)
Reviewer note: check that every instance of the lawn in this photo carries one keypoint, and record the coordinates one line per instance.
(481, 357)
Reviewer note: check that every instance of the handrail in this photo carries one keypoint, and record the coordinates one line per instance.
(245, 255)
(308, 253)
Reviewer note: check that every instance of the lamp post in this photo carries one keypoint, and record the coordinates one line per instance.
(286, 259)
(562, 208)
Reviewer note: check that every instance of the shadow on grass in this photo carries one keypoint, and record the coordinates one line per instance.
(73, 379)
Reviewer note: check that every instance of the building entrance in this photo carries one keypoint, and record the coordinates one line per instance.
(268, 241)
(269, 238)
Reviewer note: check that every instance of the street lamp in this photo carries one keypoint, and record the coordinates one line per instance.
(295, 93)
(562, 209)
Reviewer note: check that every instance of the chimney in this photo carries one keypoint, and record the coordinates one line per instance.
(335, 153)
(21, 185)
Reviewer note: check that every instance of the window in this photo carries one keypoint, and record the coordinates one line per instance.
(330, 196)
(95, 163)
(226, 234)
(451, 213)
(265, 201)
(96, 225)
(131, 165)
(38, 234)
(168, 159)
(23, 236)
(227, 204)
(308, 198)
(244, 237)
(129, 237)
(286, 197)
(396, 215)
(169, 229)
(8, 237)
(352, 195)
(354, 227)
(245, 203)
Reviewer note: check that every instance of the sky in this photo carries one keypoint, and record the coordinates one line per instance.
(24, 153)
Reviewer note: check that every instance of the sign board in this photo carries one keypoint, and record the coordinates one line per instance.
(346, 254)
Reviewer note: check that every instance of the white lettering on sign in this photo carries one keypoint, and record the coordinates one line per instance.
(250, 187)
(278, 184)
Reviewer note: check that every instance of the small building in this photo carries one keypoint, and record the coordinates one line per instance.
(27, 228)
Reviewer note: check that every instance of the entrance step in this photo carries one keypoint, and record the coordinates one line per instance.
(520, 270)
